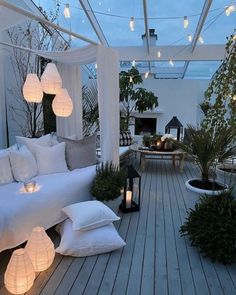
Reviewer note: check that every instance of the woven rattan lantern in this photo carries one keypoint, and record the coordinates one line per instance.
(19, 276)
(51, 79)
(32, 89)
(40, 249)
(62, 104)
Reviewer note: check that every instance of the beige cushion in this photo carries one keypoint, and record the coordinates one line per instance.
(80, 153)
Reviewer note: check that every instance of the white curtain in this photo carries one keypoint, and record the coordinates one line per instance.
(108, 92)
(9, 18)
(71, 79)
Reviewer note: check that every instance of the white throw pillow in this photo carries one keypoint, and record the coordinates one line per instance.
(89, 215)
(50, 159)
(5, 168)
(31, 142)
(86, 243)
(23, 164)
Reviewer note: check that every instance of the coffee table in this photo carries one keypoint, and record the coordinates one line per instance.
(176, 154)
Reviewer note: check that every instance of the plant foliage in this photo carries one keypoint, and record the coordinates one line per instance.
(211, 226)
(108, 182)
(133, 97)
(209, 146)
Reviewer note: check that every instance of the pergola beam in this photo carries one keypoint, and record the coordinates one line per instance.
(181, 53)
(93, 21)
(197, 33)
(43, 20)
(146, 25)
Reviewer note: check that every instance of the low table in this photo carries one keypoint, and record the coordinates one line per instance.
(146, 152)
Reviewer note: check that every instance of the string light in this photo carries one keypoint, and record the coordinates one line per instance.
(131, 79)
(96, 66)
(158, 54)
(185, 22)
(230, 9)
(234, 97)
(131, 24)
(200, 39)
(190, 38)
(171, 62)
(146, 75)
(67, 11)
(133, 63)
(234, 37)
(100, 3)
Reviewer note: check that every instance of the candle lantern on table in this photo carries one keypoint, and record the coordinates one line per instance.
(132, 191)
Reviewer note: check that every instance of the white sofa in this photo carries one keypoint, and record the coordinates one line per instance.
(20, 212)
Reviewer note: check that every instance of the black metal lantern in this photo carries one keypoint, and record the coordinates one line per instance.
(132, 191)
(174, 124)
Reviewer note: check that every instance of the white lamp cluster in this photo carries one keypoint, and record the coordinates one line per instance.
(51, 83)
(37, 256)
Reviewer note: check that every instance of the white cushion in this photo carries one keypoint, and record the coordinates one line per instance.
(89, 215)
(50, 159)
(5, 168)
(86, 243)
(23, 164)
(31, 142)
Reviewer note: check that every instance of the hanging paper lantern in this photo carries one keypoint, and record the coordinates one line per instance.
(32, 89)
(51, 79)
(19, 276)
(40, 249)
(62, 104)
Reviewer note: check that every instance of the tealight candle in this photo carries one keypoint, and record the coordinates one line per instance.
(128, 199)
(30, 186)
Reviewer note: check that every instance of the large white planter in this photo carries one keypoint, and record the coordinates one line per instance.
(203, 191)
(226, 177)
(114, 204)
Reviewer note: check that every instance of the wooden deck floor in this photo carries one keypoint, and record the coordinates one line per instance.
(156, 259)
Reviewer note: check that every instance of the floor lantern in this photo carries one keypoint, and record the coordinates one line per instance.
(51, 80)
(19, 276)
(40, 249)
(32, 89)
(131, 191)
(62, 104)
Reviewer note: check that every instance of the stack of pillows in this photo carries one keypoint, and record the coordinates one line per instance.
(45, 155)
(89, 230)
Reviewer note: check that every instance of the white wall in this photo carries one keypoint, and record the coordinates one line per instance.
(177, 98)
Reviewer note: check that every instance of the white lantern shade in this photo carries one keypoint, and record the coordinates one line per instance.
(51, 80)
(32, 89)
(62, 104)
(40, 249)
(19, 276)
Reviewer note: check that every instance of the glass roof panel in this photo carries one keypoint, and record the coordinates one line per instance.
(201, 69)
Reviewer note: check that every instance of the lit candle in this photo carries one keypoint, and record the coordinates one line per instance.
(128, 199)
(30, 186)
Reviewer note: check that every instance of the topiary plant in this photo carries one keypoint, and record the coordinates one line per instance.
(108, 182)
(211, 226)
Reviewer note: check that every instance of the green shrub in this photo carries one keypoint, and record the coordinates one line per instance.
(108, 182)
(211, 226)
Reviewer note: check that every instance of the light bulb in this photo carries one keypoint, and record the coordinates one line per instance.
(131, 24)
(234, 97)
(131, 79)
(133, 63)
(230, 9)
(171, 62)
(158, 54)
(200, 39)
(146, 75)
(67, 11)
(100, 3)
(185, 22)
(190, 38)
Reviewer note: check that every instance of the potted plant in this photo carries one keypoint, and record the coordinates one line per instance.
(226, 173)
(208, 147)
(211, 227)
(107, 185)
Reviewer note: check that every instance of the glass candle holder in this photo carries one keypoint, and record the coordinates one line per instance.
(30, 186)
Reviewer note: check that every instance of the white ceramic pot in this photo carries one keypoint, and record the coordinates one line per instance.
(200, 191)
(114, 204)
(227, 177)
